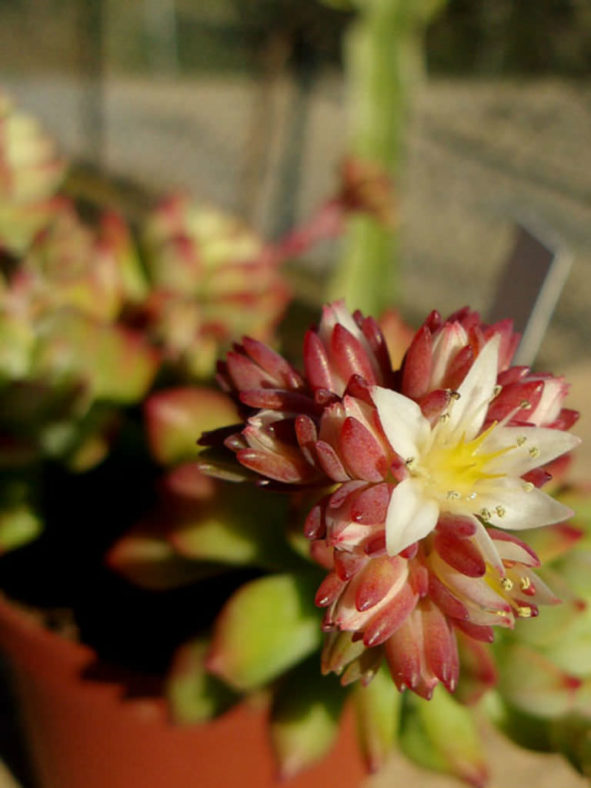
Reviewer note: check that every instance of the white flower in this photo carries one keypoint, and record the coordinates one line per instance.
(456, 467)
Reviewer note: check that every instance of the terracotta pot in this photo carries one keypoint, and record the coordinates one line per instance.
(82, 734)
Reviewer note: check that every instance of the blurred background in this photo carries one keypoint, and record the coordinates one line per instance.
(244, 104)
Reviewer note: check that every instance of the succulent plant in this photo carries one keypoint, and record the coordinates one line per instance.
(30, 171)
(344, 529)
(94, 316)
(414, 589)
(542, 696)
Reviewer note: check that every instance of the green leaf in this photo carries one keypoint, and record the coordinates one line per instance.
(148, 560)
(578, 497)
(305, 717)
(556, 625)
(175, 419)
(572, 737)
(522, 728)
(552, 541)
(575, 569)
(533, 683)
(193, 693)
(266, 627)
(238, 526)
(115, 363)
(378, 712)
(18, 526)
(117, 236)
(441, 735)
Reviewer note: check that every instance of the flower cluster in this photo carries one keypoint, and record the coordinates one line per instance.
(419, 475)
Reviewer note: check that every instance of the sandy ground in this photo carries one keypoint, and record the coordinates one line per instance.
(480, 157)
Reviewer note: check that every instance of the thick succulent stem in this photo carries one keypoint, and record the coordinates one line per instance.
(383, 61)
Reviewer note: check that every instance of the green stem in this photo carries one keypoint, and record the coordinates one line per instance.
(384, 58)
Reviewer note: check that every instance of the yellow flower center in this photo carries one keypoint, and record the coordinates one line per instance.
(455, 471)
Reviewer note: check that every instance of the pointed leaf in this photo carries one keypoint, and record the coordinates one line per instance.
(478, 672)
(305, 717)
(18, 526)
(572, 737)
(575, 568)
(117, 236)
(556, 625)
(268, 625)
(552, 541)
(532, 683)
(440, 734)
(148, 560)
(238, 526)
(176, 418)
(116, 363)
(524, 729)
(193, 693)
(572, 651)
(378, 708)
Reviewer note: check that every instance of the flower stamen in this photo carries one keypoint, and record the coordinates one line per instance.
(525, 583)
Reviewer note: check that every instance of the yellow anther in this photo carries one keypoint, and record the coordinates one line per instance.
(455, 394)
(501, 511)
(525, 405)
(534, 452)
(485, 514)
(507, 583)
(453, 495)
(525, 583)
(521, 440)
(527, 487)
(524, 612)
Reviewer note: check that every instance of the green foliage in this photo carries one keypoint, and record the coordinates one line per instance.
(441, 735)
(268, 626)
(194, 694)
(378, 708)
(305, 717)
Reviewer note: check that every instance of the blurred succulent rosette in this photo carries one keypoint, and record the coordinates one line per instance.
(212, 278)
(30, 172)
(542, 698)
(97, 313)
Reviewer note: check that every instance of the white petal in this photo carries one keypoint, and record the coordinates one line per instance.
(405, 426)
(410, 516)
(488, 548)
(513, 504)
(541, 445)
(476, 390)
(359, 410)
(553, 395)
(335, 313)
(451, 339)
